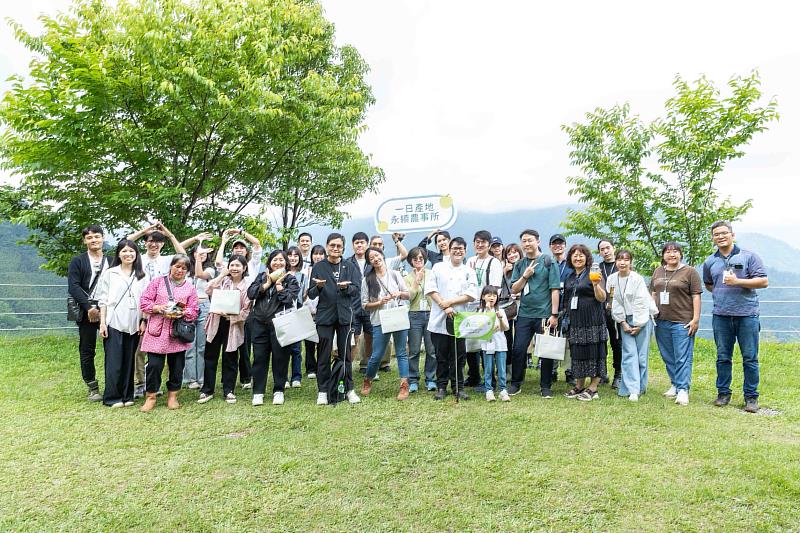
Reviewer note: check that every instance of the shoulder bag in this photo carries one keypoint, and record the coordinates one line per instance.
(182, 329)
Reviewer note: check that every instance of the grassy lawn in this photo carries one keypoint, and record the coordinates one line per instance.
(531, 464)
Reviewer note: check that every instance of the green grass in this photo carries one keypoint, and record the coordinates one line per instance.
(532, 464)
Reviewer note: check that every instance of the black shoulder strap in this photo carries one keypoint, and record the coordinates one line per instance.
(489, 268)
(97, 277)
(169, 289)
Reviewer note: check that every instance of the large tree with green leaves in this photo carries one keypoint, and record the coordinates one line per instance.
(645, 184)
(198, 113)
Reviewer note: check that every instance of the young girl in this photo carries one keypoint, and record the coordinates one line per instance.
(317, 255)
(495, 349)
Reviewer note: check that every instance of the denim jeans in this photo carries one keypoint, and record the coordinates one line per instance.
(193, 370)
(296, 356)
(634, 361)
(489, 361)
(379, 342)
(416, 334)
(677, 351)
(744, 330)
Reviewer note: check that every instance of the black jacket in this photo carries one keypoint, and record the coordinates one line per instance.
(79, 278)
(268, 302)
(336, 306)
(433, 256)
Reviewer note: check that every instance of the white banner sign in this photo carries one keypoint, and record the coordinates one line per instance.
(416, 213)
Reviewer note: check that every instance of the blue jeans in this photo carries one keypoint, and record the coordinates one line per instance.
(379, 342)
(744, 330)
(489, 362)
(296, 356)
(634, 361)
(677, 351)
(195, 363)
(416, 335)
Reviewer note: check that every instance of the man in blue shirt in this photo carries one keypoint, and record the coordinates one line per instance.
(732, 275)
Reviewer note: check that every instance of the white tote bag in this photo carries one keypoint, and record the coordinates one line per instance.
(394, 319)
(550, 346)
(226, 302)
(294, 326)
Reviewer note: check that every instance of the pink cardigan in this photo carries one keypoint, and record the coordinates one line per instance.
(157, 337)
(236, 331)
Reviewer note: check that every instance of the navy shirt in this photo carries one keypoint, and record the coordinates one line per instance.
(733, 301)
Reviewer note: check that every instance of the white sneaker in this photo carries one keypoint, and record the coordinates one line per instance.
(296, 384)
(205, 397)
(248, 385)
(277, 398)
(682, 397)
(504, 397)
(490, 396)
(634, 397)
(287, 385)
(352, 397)
(671, 392)
(322, 398)
(258, 399)
(193, 385)
(312, 375)
(230, 398)
(118, 404)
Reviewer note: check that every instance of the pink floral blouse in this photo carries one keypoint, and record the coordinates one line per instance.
(157, 336)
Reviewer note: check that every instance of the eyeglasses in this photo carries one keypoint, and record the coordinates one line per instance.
(335, 246)
(721, 234)
(458, 249)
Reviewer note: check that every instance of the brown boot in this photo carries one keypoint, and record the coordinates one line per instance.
(172, 400)
(366, 387)
(403, 394)
(149, 402)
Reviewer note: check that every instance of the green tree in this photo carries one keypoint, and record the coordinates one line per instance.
(194, 112)
(645, 184)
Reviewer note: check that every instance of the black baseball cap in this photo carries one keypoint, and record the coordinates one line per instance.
(557, 237)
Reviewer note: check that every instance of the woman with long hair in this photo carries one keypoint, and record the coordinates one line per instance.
(295, 267)
(119, 293)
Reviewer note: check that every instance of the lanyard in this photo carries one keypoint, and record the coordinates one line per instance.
(606, 274)
(668, 279)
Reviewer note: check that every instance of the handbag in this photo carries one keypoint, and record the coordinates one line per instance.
(295, 325)
(182, 329)
(549, 346)
(394, 319)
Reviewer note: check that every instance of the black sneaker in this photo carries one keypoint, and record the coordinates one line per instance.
(513, 390)
(461, 395)
(440, 394)
(722, 400)
(615, 383)
(547, 394)
(751, 405)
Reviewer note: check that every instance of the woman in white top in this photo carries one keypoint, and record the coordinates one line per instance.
(118, 293)
(382, 289)
(202, 272)
(633, 308)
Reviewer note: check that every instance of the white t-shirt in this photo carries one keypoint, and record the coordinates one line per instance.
(120, 295)
(488, 264)
(156, 267)
(389, 283)
(498, 342)
(450, 282)
(200, 284)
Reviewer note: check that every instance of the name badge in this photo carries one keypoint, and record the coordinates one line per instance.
(664, 298)
(423, 304)
(562, 285)
(131, 303)
(526, 290)
(573, 304)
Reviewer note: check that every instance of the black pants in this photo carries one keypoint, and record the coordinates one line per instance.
(155, 366)
(524, 330)
(87, 347)
(450, 356)
(245, 352)
(615, 339)
(474, 374)
(311, 357)
(211, 358)
(343, 336)
(119, 348)
(265, 344)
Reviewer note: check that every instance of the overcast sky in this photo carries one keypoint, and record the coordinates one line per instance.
(471, 95)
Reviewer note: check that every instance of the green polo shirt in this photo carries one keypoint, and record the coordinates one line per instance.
(537, 303)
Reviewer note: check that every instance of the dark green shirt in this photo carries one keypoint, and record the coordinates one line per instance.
(537, 303)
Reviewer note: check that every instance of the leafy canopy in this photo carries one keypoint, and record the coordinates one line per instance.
(198, 113)
(646, 184)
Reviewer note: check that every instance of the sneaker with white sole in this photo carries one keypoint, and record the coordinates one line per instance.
(296, 384)
(352, 397)
(312, 375)
(277, 398)
(504, 397)
(671, 392)
(205, 397)
(128, 403)
(118, 404)
(193, 385)
(247, 385)
(682, 398)
(287, 385)
(634, 397)
(258, 399)
(490, 395)
(230, 397)
(322, 398)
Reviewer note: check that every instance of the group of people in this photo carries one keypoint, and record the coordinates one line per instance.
(154, 310)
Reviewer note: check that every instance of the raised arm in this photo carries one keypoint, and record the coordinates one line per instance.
(179, 249)
(136, 235)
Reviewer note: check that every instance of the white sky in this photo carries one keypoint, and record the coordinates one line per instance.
(471, 95)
